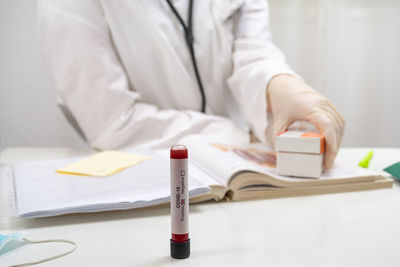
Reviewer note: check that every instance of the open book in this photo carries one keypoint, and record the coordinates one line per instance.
(217, 170)
(239, 172)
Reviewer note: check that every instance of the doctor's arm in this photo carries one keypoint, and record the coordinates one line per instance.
(271, 96)
(93, 87)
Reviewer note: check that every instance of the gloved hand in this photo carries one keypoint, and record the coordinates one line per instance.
(290, 100)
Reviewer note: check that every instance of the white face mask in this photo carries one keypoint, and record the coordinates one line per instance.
(16, 240)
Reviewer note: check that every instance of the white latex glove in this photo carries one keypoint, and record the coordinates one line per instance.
(290, 100)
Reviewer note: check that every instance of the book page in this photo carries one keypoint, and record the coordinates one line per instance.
(194, 171)
(41, 191)
(213, 160)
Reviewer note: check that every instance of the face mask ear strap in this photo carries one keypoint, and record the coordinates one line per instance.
(75, 246)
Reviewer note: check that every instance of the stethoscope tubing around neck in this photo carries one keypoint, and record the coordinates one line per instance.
(189, 41)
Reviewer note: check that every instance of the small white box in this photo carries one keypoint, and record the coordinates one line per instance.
(300, 141)
(298, 164)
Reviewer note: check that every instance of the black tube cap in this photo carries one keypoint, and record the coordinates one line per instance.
(180, 250)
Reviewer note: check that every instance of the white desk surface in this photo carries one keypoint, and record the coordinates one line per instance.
(347, 229)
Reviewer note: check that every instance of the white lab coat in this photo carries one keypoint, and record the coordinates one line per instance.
(124, 75)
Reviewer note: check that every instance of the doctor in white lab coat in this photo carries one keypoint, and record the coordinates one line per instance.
(125, 77)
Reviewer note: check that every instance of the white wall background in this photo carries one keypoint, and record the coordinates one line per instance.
(29, 115)
(347, 49)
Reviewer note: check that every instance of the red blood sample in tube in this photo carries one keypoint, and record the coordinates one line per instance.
(180, 242)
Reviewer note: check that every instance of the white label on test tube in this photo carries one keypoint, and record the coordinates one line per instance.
(179, 196)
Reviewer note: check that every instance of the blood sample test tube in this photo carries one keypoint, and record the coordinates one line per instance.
(180, 242)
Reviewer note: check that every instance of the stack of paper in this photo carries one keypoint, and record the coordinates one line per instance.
(42, 192)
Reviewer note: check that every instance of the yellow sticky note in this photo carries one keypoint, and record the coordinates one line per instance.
(103, 164)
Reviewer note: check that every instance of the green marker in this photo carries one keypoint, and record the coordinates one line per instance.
(365, 161)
